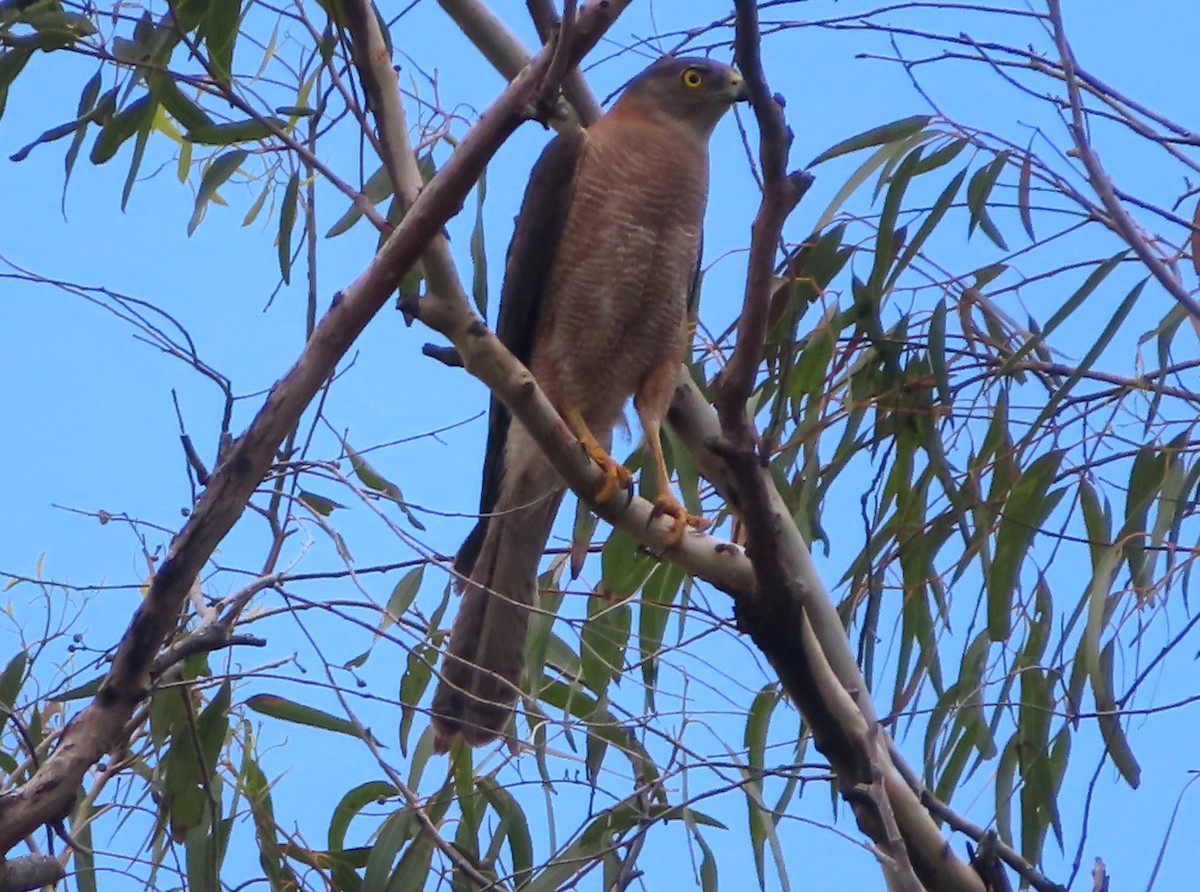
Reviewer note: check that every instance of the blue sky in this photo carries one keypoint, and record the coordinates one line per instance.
(90, 423)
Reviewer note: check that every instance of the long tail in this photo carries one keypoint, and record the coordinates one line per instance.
(481, 672)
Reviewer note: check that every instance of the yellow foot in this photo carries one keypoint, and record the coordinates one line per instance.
(669, 506)
(616, 475)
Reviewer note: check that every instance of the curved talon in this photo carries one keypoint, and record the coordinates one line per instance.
(616, 475)
(669, 506)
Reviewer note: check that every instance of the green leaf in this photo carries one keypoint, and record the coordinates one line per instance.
(11, 680)
(95, 108)
(84, 857)
(1023, 204)
(1006, 772)
(657, 596)
(937, 354)
(53, 27)
(289, 711)
(944, 202)
(200, 856)
(876, 136)
(139, 150)
(178, 105)
(708, 865)
(348, 808)
(396, 830)
(413, 683)
(220, 170)
(624, 568)
(253, 784)
(513, 825)
(372, 479)
(319, 504)
(249, 130)
(603, 639)
(1109, 719)
(413, 872)
(1027, 507)
(600, 836)
(376, 189)
(220, 32)
(404, 593)
(886, 246)
(1099, 345)
(123, 125)
(84, 691)
(877, 160)
(287, 219)
(941, 157)
(47, 136)
(978, 192)
(11, 63)
(212, 727)
(758, 721)
(256, 208)
(131, 52)
(1146, 477)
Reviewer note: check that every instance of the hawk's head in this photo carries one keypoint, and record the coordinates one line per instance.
(691, 89)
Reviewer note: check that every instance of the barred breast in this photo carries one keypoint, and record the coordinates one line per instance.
(617, 294)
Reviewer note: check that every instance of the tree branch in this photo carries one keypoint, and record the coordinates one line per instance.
(1122, 222)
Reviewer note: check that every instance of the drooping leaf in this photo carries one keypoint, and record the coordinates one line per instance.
(233, 132)
(220, 170)
(1026, 509)
(220, 32)
(287, 219)
(298, 713)
(11, 62)
(121, 126)
(927, 227)
(10, 682)
(876, 136)
(979, 190)
(395, 832)
(351, 805)
(1023, 202)
(318, 503)
(513, 826)
(603, 639)
(372, 479)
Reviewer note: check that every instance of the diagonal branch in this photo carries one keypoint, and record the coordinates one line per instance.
(1121, 221)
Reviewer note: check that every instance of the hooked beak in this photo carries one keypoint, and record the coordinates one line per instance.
(737, 91)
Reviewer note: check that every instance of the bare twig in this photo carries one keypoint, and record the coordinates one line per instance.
(1121, 221)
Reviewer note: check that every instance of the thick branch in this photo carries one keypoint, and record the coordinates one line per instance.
(781, 192)
(30, 872)
(792, 619)
(809, 648)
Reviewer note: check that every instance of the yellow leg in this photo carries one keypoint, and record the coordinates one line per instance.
(616, 475)
(666, 504)
(652, 400)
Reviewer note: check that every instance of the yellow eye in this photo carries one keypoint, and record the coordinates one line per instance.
(693, 78)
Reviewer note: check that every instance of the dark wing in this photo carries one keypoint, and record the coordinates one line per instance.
(527, 268)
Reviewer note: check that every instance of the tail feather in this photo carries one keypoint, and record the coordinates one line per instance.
(481, 672)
